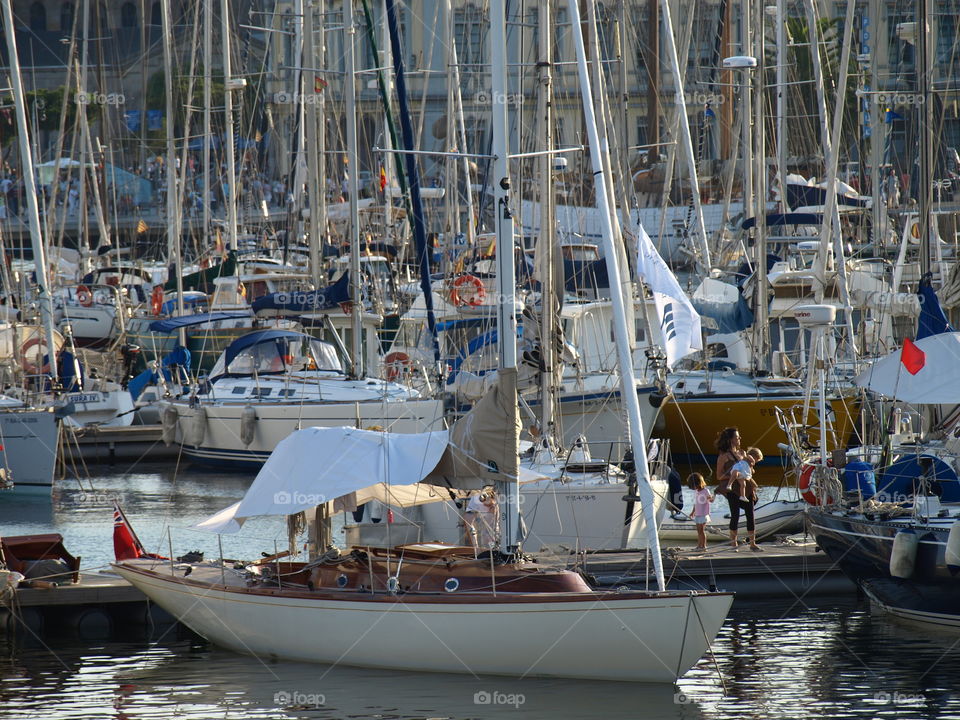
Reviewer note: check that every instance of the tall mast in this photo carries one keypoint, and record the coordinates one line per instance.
(761, 350)
(628, 386)
(926, 166)
(781, 25)
(356, 282)
(228, 126)
(545, 245)
(314, 188)
(173, 196)
(503, 224)
(207, 102)
(30, 190)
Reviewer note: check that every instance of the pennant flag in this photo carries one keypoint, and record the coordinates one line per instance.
(890, 115)
(126, 544)
(709, 111)
(383, 179)
(679, 322)
(912, 357)
(318, 84)
(141, 227)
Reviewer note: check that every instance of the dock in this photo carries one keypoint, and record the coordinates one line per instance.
(780, 570)
(107, 445)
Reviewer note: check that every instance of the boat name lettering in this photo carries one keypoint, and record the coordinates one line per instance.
(575, 498)
(20, 420)
(84, 398)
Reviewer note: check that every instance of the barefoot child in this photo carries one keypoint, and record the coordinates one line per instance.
(701, 507)
(742, 474)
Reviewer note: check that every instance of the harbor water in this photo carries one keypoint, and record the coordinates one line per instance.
(828, 657)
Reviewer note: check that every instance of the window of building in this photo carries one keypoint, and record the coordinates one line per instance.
(66, 17)
(156, 16)
(128, 15)
(38, 17)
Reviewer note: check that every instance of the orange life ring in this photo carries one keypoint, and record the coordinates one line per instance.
(28, 367)
(84, 296)
(156, 299)
(808, 488)
(478, 295)
(395, 364)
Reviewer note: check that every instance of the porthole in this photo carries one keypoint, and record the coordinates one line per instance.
(451, 585)
(342, 580)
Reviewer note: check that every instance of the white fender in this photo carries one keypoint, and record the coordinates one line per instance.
(953, 546)
(168, 423)
(248, 425)
(903, 557)
(195, 427)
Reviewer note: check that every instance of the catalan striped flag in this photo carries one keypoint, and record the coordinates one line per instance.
(141, 227)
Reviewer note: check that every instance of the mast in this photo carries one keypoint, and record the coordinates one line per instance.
(503, 224)
(356, 282)
(781, 25)
(30, 190)
(761, 351)
(207, 102)
(228, 127)
(628, 386)
(173, 197)
(926, 166)
(545, 247)
(653, 78)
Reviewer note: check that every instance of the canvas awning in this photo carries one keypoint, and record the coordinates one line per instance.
(937, 381)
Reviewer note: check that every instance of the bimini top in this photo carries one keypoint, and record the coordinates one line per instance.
(275, 351)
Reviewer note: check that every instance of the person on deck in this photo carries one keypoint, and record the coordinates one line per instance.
(729, 452)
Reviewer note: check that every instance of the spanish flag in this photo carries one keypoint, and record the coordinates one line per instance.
(383, 179)
(318, 84)
(141, 227)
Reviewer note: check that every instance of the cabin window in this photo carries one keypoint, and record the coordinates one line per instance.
(38, 17)
(286, 393)
(262, 392)
(239, 390)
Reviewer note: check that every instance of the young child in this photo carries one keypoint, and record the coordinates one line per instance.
(701, 507)
(742, 474)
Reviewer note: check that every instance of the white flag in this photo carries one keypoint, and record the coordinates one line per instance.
(679, 322)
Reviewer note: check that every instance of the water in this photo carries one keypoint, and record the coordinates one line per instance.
(832, 659)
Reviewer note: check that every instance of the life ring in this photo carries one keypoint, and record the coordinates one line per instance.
(475, 298)
(84, 296)
(808, 488)
(156, 299)
(31, 368)
(395, 364)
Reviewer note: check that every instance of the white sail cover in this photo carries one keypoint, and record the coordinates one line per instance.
(936, 381)
(317, 465)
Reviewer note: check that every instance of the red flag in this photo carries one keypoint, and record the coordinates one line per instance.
(912, 357)
(383, 179)
(126, 544)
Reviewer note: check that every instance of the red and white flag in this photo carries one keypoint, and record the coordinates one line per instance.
(912, 357)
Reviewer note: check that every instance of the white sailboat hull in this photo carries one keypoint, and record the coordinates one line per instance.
(28, 449)
(221, 437)
(604, 637)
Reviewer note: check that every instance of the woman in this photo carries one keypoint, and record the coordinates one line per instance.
(482, 519)
(728, 453)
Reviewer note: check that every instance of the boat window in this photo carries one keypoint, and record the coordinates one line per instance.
(262, 392)
(283, 354)
(239, 390)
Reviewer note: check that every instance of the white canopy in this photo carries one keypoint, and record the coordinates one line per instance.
(938, 381)
(316, 465)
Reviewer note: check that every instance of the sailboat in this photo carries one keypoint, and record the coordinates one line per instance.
(428, 606)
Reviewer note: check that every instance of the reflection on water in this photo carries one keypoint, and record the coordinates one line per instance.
(835, 660)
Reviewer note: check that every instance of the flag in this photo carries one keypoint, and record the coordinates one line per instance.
(318, 84)
(383, 179)
(126, 544)
(141, 227)
(709, 112)
(679, 322)
(890, 115)
(912, 357)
